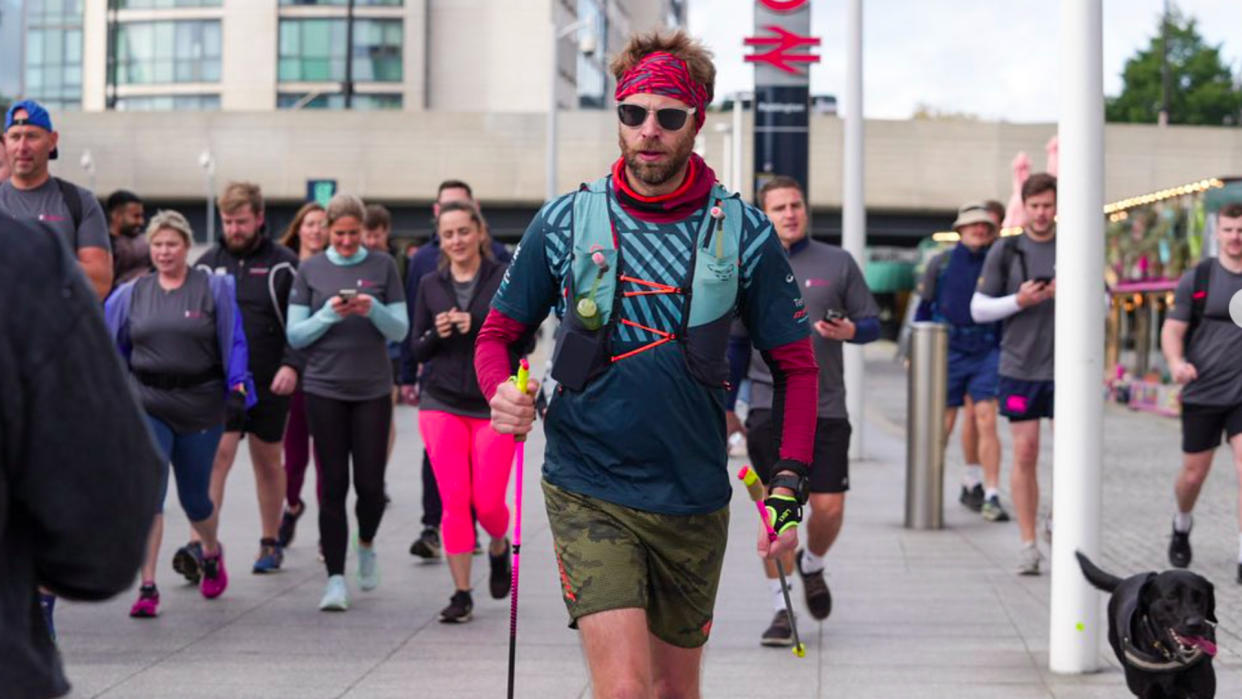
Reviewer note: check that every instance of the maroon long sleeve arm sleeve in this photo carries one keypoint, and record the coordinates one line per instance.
(491, 351)
(795, 382)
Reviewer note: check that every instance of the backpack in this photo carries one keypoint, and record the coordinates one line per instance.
(1198, 296)
(73, 202)
(1009, 248)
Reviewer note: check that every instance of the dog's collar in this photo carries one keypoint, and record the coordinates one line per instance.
(1143, 660)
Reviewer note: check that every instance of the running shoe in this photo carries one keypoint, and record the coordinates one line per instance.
(368, 569)
(148, 604)
(461, 605)
(427, 545)
(271, 556)
(818, 598)
(501, 578)
(289, 525)
(188, 561)
(992, 510)
(1028, 559)
(1179, 549)
(780, 633)
(48, 604)
(335, 595)
(972, 498)
(215, 576)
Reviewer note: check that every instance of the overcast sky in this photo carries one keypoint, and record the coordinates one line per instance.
(992, 58)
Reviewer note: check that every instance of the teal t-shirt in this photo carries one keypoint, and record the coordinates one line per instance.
(646, 434)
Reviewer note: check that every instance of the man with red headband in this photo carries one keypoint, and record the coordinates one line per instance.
(646, 268)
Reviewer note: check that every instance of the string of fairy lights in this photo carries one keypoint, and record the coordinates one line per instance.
(1117, 210)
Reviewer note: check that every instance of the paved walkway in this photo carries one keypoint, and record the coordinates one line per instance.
(916, 614)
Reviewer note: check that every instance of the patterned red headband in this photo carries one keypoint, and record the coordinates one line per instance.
(662, 73)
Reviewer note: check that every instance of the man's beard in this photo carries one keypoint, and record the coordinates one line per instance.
(243, 245)
(656, 174)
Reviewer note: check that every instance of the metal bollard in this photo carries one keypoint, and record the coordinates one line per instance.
(926, 389)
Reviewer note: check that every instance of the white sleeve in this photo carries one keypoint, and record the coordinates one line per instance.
(989, 309)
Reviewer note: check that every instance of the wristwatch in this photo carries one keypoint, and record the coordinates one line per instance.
(791, 474)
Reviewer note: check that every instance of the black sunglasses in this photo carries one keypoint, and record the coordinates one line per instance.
(669, 118)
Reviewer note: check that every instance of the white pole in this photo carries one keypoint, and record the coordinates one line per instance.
(854, 214)
(735, 184)
(727, 138)
(550, 177)
(1073, 644)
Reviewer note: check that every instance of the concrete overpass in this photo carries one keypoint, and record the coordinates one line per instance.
(917, 171)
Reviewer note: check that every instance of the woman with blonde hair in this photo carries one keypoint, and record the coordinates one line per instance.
(346, 305)
(180, 333)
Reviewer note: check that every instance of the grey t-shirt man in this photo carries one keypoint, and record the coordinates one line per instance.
(830, 279)
(1028, 338)
(1213, 349)
(350, 361)
(46, 204)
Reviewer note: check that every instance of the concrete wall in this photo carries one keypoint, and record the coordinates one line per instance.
(916, 166)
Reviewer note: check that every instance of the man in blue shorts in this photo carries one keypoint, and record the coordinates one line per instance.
(974, 356)
(1018, 285)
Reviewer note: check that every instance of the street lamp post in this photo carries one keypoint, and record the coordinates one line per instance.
(88, 164)
(208, 164)
(1074, 619)
(854, 213)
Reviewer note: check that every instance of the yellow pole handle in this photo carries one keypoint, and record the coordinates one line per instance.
(754, 487)
(522, 379)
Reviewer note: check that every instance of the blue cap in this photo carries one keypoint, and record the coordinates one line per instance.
(36, 115)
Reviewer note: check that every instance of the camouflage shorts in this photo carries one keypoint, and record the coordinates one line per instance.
(615, 557)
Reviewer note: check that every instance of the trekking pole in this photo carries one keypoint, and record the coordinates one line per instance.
(523, 378)
(753, 486)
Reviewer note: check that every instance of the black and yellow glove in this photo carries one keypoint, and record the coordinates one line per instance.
(784, 512)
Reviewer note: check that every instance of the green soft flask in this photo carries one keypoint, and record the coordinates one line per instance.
(585, 305)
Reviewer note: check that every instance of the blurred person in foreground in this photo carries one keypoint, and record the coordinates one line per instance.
(77, 493)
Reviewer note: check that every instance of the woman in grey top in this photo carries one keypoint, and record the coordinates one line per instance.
(346, 305)
(180, 333)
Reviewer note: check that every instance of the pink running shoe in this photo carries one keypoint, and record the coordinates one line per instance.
(215, 577)
(148, 604)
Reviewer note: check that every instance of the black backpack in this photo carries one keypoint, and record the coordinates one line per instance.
(1009, 248)
(1198, 296)
(73, 202)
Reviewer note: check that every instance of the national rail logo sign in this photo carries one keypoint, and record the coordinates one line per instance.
(781, 54)
(785, 45)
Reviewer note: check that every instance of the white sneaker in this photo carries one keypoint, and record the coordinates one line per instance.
(335, 595)
(1028, 559)
(368, 569)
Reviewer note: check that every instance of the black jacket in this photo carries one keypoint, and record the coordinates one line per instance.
(448, 372)
(79, 473)
(264, 275)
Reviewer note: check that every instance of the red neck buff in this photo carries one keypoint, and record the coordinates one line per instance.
(662, 73)
(665, 208)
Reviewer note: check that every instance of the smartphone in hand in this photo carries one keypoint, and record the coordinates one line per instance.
(348, 295)
(832, 315)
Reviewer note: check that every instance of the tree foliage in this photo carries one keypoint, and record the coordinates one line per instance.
(1201, 85)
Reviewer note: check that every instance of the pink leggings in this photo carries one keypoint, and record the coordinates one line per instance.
(471, 462)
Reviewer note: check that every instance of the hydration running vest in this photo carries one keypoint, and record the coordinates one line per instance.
(593, 290)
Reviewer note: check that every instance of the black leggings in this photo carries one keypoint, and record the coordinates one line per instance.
(342, 429)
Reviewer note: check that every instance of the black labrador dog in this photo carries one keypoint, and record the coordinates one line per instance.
(1161, 626)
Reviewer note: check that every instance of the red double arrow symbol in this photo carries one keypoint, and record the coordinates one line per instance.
(781, 56)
